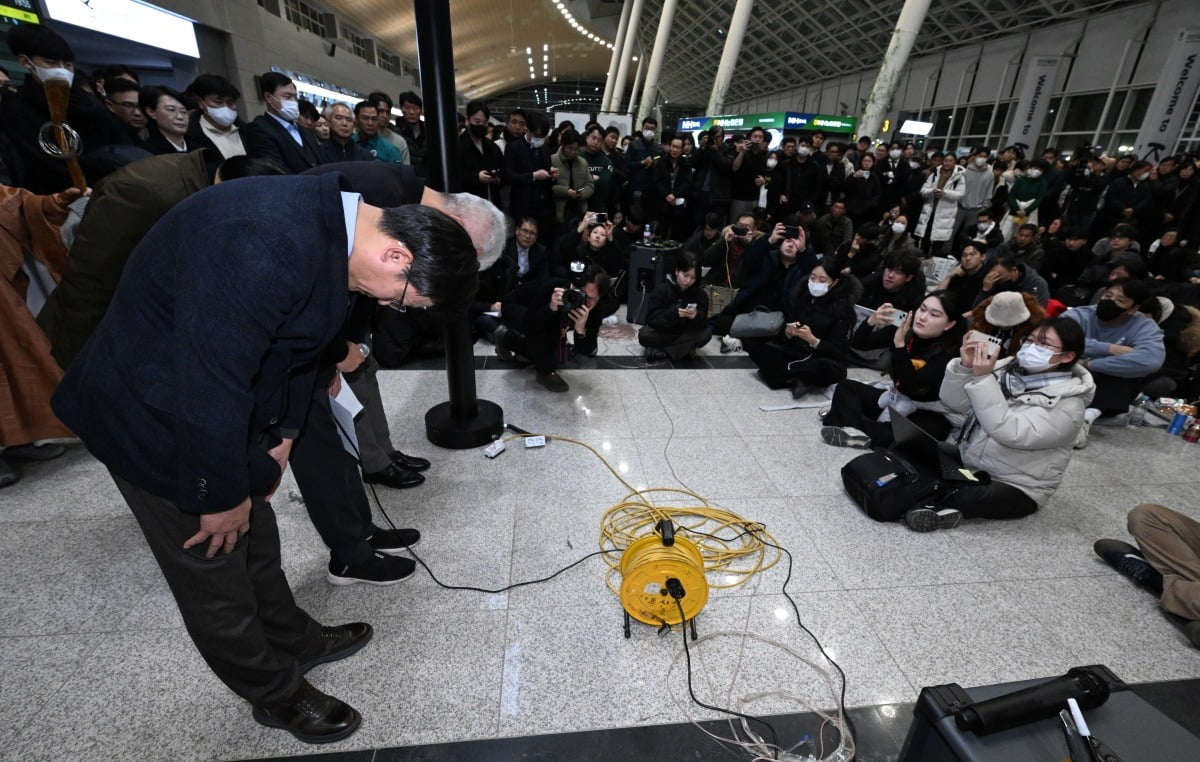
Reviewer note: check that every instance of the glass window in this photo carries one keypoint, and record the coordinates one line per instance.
(305, 16)
(1083, 112)
(389, 62)
(1137, 108)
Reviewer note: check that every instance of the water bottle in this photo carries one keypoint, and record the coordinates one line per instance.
(1137, 414)
(646, 235)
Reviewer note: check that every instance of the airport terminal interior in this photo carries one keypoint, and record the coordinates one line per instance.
(811, 630)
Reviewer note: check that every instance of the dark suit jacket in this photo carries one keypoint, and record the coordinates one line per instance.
(208, 352)
(266, 138)
(123, 208)
(158, 145)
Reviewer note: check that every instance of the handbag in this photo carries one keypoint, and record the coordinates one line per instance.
(719, 297)
(760, 323)
(885, 485)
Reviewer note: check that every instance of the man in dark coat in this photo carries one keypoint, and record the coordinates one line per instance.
(197, 381)
(275, 135)
(123, 207)
(23, 112)
(480, 159)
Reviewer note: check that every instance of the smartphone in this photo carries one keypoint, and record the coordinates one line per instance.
(898, 318)
(991, 342)
(791, 231)
(691, 306)
(740, 230)
(600, 218)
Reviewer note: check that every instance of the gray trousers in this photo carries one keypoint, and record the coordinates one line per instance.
(371, 426)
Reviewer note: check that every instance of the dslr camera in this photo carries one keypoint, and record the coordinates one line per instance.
(573, 297)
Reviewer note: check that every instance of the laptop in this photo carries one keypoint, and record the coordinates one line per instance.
(926, 452)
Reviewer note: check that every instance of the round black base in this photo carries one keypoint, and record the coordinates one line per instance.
(444, 431)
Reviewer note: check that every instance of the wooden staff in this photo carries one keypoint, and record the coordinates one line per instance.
(58, 95)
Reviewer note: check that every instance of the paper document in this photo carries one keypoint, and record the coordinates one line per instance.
(345, 407)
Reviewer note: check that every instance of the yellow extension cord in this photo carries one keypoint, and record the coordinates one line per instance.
(727, 562)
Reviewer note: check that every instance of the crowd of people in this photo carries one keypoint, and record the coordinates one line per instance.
(1072, 289)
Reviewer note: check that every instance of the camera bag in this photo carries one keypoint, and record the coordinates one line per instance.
(885, 485)
(760, 323)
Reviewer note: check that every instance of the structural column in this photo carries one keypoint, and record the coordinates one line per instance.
(729, 57)
(637, 85)
(912, 15)
(618, 45)
(654, 68)
(631, 32)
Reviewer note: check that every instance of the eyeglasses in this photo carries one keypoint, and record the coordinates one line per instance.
(1031, 341)
(172, 110)
(130, 106)
(398, 305)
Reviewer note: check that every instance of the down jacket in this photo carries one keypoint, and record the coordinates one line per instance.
(1025, 441)
(944, 210)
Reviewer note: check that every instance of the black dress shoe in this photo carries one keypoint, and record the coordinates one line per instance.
(311, 716)
(395, 476)
(411, 462)
(336, 643)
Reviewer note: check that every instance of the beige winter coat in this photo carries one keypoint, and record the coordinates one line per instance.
(1025, 441)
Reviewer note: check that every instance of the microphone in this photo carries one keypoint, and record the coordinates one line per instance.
(1037, 702)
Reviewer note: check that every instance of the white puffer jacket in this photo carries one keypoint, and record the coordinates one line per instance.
(941, 226)
(1026, 440)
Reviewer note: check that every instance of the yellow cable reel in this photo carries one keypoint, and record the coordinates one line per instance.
(648, 567)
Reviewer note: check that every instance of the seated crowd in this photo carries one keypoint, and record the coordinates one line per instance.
(1071, 285)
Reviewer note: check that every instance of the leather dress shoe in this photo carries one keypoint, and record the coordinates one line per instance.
(311, 716)
(411, 462)
(395, 476)
(336, 643)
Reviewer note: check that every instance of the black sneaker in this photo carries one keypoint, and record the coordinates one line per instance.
(393, 542)
(379, 569)
(553, 382)
(1130, 562)
(930, 518)
(502, 350)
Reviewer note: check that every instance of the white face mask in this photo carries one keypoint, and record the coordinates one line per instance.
(48, 74)
(535, 142)
(222, 116)
(1035, 358)
(1035, 173)
(804, 151)
(1142, 177)
(981, 161)
(818, 289)
(897, 228)
(648, 134)
(894, 153)
(289, 111)
(772, 163)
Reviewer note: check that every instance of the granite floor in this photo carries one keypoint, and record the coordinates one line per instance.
(96, 665)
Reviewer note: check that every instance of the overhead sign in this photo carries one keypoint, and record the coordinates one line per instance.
(1041, 75)
(18, 12)
(777, 121)
(129, 20)
(1168, 109)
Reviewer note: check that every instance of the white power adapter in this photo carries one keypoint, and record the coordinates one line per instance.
(494, 449)
(538, 441)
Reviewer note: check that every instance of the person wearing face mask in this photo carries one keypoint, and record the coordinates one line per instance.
(640, 156)
(894, 172)
(275, 136)
(979, 186)
(1026, 195)
(214, 123)
(1019, 418)
(46, 56)
(810, 351)
(919, 350)
(895, 237)
(479, 158)
(1123, 347)
(983, 229)
(942, 192)
(772, 268)
(530, 177)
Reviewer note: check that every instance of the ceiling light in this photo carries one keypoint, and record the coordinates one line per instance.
(545, 46)
(528, 51)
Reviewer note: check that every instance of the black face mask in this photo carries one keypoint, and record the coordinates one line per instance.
(1108, 310)
(478, 130)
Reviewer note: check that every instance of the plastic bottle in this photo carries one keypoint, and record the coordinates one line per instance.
(646, 235)
(1137, 414)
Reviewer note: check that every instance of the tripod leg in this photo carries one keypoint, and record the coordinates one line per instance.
(693, 622)
(628, 634)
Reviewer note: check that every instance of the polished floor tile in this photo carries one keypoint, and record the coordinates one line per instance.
(449, 670)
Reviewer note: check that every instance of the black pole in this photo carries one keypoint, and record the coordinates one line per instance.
(464, 421)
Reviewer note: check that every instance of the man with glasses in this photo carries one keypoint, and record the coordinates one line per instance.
(524, 261)
(121, 99)
(193, 389)
(214, 124)
(275, 135)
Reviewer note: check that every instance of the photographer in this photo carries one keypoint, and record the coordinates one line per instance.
(677, 314)
(538, 316)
